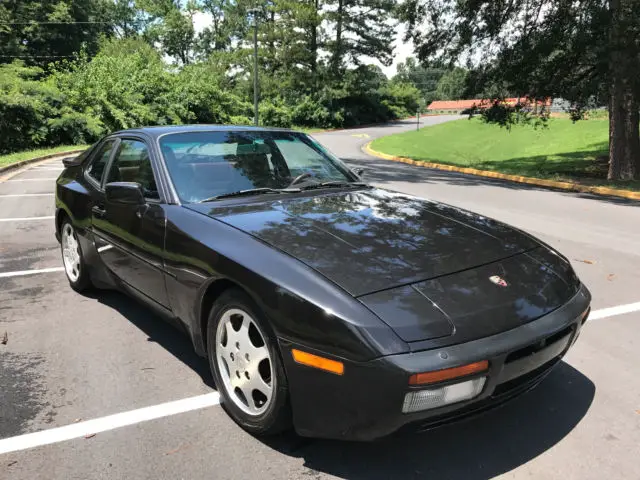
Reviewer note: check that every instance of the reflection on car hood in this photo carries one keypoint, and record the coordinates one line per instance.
(374, 239)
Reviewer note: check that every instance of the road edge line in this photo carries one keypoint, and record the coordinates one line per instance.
(540, 182)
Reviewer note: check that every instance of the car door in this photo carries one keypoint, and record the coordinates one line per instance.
(130, 238)
(79, 199)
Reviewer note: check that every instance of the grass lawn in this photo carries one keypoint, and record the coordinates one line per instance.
(563, 151)
(309, 130)
(19, 156)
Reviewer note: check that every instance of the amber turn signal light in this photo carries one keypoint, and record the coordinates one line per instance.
(448, 373)
(315, 361)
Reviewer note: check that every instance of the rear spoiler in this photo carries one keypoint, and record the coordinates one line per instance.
(75, 160)
(72, 161)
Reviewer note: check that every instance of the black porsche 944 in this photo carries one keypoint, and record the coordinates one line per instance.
(321, 302)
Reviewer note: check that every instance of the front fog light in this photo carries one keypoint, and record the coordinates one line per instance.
(438, 397)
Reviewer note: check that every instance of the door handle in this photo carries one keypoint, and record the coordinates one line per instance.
(98, 211)
(141, 210)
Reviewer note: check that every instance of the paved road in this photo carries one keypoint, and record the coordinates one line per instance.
(71, 358)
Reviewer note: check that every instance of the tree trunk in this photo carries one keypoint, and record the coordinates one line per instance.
(337, 53)
(314, 41)
(624, 135)
(624, 117)
(271, 44)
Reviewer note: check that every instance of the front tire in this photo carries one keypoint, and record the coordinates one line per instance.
(74, 264)
(246, 365)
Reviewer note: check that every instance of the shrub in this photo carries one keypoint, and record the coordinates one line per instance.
(402, 99)
(125, 85)
(203, 96)
(25, 106)
(311, 113)
(73, 128)
(240, 120)
(274, 115)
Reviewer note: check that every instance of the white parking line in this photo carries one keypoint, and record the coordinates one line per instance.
(48, 179)
(97, 425)
(27, 195)
(612, 311)
(23, 219)
(21, 273)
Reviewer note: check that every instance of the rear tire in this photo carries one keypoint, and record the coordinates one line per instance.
(74, 265)
(246, 365)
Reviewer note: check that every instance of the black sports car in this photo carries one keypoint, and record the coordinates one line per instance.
(320, 301)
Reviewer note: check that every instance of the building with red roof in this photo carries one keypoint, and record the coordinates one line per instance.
(453, 106)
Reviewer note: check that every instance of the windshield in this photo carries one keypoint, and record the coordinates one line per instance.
(204, 165)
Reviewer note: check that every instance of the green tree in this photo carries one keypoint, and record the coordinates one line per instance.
(171, 26)
(127, 20)
(219, 34)
(452, 85)
(586, 51)
(42, 31)
(361, 28)
(291, 37)
(423, 78)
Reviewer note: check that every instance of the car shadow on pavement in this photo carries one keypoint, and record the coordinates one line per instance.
(158, 330)
(384, 172)
(478, 448)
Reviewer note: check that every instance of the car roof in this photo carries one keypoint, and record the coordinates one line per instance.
(162, 130)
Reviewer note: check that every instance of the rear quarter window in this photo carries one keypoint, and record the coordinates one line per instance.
(98, 163)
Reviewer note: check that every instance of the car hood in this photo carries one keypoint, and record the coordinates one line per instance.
(477, 302)
(371, 240)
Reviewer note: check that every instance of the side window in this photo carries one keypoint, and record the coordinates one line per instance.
(132, 164)
(99, 162)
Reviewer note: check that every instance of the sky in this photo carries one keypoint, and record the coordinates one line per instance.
(401, 52)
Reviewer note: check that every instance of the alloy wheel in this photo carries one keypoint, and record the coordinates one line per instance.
(244, 362)
(70, 252)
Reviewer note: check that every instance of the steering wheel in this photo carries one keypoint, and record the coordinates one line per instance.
(299, 178)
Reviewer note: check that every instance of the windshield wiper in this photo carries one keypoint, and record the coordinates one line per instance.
(334, 184)
(251, 191)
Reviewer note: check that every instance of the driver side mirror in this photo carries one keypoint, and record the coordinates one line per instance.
(124, 193)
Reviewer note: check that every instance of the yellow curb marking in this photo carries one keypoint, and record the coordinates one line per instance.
(504, 176)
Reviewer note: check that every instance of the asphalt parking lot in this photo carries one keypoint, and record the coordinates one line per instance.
(72, 360)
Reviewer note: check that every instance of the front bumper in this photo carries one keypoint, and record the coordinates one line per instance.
(366, 402)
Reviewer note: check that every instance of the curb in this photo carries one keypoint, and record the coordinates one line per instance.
(22, 163)
(540, 182)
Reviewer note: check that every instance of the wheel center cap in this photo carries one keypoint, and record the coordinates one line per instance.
(242, 365)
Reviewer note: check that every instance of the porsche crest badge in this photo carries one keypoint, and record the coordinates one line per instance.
(498, 280)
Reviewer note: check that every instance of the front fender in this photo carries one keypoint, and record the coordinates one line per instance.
(303, 306)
